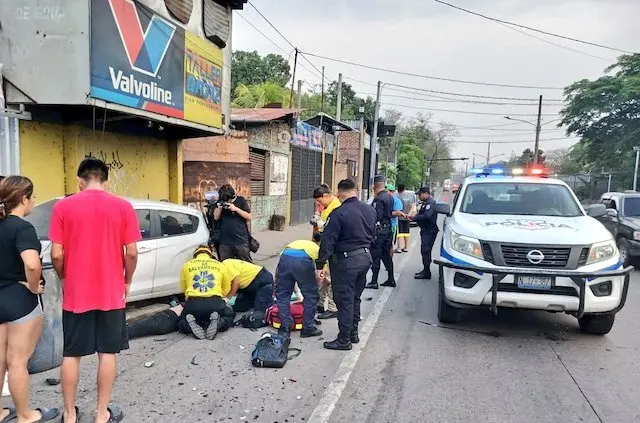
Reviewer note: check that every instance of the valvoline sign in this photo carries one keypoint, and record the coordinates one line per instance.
(138, 59)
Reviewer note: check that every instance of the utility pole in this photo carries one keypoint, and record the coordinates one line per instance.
(322, 104)
(360, 171)
(489, 152)
(293, 77)
(635, 170)
(339, 100)
(299, 105)
(538, 127)
(473, 164)
(374, 138)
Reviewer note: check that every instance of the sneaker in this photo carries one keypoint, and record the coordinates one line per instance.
(311, 332)
(371, 285)
(212, 330)
(404, 250)
(328, 315)
(397, 251)
(390, 283)
(196, 329)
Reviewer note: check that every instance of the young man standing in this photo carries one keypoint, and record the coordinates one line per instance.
(408, 199)
(94, 252)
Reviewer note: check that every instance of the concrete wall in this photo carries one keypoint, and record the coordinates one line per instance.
(263, 207)
(139, 167)
(266, 137)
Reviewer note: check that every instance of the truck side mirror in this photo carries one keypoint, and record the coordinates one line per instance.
(443, 208)
(612, 212)
(596, 210)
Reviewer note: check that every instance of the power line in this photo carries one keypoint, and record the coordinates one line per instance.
(431, 98)
(533, 29)
(512, 142)
(515, 134)
(460, 81)
(469, 112)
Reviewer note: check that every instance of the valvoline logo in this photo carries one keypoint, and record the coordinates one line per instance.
(145, 49)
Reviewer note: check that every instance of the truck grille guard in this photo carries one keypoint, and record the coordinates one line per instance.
(499, 273)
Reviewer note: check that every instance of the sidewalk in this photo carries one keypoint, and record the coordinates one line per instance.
(273, 242)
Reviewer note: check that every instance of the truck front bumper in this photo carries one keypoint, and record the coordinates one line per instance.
(496, 287)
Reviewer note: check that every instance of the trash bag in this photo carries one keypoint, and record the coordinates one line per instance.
(271, 351)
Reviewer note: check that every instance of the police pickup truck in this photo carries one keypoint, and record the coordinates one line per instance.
(516, 238)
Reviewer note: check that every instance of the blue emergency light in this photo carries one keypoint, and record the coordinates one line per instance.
(496, 171)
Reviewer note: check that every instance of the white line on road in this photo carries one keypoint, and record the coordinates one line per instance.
(323, 411)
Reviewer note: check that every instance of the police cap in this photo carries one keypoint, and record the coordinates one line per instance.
(424, 190)
(379, 179)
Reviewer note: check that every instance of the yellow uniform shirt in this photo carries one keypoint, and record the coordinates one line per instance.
(311, 248)
(243, 270)
(324, 216)
(203, 277)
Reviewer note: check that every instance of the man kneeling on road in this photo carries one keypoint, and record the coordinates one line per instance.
(205, 285)
(297, 264)
(252, 283)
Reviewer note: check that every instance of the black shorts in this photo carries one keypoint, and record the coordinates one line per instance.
(404, 227)
(95, 331)
(16, 302)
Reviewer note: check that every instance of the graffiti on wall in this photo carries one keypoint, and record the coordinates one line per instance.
(111, 159)
(203, 177)
(121, 181)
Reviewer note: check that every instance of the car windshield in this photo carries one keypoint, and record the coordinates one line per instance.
(631, 206)
(40, 218)
(528, 199)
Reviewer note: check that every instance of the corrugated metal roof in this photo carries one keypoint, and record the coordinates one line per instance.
(260, 115)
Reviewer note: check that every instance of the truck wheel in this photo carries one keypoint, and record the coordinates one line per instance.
(446, 313)
(623, 247)
(596, 324)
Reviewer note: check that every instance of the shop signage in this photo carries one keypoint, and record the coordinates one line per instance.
(305, 135)
(143, 60)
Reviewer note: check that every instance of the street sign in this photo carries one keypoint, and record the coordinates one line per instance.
(636, 148)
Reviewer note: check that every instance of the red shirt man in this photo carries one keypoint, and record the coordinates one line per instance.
(94, 252)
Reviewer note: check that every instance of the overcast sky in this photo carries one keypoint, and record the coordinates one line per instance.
(427, 38)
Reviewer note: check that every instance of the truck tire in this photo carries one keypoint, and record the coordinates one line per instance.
(623, 247)
(597, 324)
(446, 313)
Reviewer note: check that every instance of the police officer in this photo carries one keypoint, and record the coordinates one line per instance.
(426, 218)
(346, 240)
(381, 247)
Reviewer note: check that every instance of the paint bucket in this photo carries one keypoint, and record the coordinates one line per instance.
(48, 352)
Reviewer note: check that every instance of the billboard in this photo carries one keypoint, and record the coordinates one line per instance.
(305, 135)
(143, 60)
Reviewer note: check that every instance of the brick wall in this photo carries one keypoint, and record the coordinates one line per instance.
(233, 148)
(348, 149)
(263, 207)
(266, 137)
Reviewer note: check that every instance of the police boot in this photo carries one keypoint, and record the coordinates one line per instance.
(422, 275)
(311, 332)
(390, 282)
(284, 332)
(354, 338)
(374, 281)
(340, 344)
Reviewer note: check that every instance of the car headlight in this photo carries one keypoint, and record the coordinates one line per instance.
(636, 235)
(466, 245)
(602, 251)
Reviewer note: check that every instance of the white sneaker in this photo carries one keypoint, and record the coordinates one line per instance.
(212, 330)
(196, 329)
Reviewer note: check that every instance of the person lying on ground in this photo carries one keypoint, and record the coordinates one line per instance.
(252, 283)
(205, 285)
(297, 264)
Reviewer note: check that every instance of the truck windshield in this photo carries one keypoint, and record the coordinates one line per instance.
(528, 199)
(40, 218)
(631, 206)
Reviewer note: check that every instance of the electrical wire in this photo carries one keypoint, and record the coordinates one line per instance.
(469, 112)
(459, 81)
(513, 142)
(533, 29)
(440, 99)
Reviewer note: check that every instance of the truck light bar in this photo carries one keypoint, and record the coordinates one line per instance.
(496, 171)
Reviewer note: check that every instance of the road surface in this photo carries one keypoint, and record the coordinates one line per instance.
(517, 367)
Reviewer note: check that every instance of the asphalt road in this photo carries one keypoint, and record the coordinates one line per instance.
(517, 367)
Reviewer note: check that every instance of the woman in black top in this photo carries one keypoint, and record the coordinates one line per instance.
(21, 314)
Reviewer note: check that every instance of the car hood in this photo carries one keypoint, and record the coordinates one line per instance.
(581, 230)
(634, 221)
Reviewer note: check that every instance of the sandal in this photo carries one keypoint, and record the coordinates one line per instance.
(115, 414)
(11, 416)
(47, 414)
(77, 416)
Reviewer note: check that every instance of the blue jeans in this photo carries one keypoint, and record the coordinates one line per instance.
(301, 269)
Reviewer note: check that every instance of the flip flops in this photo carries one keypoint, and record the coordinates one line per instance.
(115, 414)
(48, 414)
(77, 416)
(12, 415)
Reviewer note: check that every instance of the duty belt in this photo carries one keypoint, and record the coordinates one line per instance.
(342, 255)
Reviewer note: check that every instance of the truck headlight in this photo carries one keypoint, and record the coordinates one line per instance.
(466, 245)
(636, 235)
(602, 251)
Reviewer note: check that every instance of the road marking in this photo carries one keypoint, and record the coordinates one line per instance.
(323, 411)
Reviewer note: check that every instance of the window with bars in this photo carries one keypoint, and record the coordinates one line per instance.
(257, 158)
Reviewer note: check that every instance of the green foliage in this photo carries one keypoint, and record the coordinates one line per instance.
(605, 114)
(258, 96)
(527, 158)
(249, 68)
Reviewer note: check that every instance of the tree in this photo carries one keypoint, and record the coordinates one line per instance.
(258, 96)
(527, 158)
(249, 68)
(562, 162)
(605, 114)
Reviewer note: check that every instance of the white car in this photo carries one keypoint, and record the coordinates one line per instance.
(526, 242)
(170, 234)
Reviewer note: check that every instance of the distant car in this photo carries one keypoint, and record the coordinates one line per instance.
(170, 234)
(622, 219)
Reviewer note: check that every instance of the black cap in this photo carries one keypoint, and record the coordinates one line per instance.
(379, 179)
(424, 190)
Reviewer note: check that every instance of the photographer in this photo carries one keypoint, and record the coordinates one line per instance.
(233, 217)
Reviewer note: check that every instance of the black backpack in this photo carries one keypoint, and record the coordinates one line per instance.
(253, 320)
(271, 350)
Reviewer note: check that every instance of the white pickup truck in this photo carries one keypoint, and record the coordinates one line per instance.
(519, 241)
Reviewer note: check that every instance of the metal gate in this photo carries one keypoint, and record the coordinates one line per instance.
(257, 158)
(306, 168)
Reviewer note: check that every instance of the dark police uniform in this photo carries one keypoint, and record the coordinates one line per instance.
(381, 246)
(346, 240)
(426, 219)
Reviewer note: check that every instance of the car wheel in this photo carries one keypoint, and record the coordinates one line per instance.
(597, 324)
(446, 313)
(623, 247)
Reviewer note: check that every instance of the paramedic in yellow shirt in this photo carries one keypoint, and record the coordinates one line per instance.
(205, 287)
(297, 264)
(252, 283)
(330, 202)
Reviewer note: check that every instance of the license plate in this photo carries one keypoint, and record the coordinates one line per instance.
(535, 282)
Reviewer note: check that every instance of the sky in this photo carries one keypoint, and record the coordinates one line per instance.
(423, 37)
